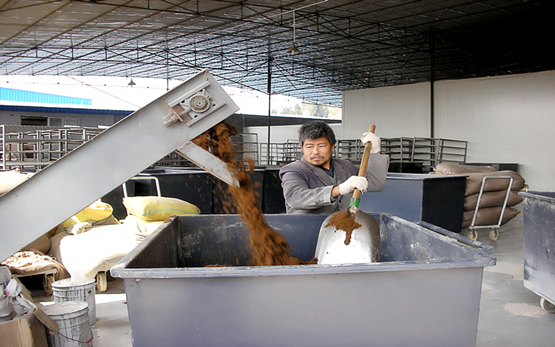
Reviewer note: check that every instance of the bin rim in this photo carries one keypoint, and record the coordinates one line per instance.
(539, 196)
(475, 245)
(120, 270)
(481, 258)
(420, 176)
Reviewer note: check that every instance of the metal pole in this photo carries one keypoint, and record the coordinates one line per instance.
(432, 79)
(269, 103)
(435, 148)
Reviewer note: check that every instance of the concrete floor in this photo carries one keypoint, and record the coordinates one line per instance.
(510, 314)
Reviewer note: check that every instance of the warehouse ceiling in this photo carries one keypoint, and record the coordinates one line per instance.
(343, 44)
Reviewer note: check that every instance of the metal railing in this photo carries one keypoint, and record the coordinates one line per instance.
(35, 147)
(28, 147)
(427, 151)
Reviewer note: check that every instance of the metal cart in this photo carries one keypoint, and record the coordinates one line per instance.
(49, 278)
(494, 229)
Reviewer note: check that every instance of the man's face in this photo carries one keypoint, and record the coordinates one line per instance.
(318, 151)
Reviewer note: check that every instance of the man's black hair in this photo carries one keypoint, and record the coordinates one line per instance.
(314, 130)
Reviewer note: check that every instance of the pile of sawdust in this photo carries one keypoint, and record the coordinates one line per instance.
(270, 247)
(344, 221)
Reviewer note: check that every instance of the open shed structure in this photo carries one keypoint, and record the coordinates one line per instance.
(338, 45)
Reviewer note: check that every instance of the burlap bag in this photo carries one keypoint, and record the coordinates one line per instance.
(456, 169)
(474, 182)
(488, 216)
(492, 199)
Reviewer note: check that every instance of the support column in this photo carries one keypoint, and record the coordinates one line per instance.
(432, 80)
(269, 104)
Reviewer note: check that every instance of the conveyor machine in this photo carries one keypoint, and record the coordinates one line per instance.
(114, 156)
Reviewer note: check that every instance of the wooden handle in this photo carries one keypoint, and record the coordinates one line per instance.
(364, 163)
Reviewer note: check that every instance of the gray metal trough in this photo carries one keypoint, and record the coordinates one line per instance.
(424, 292)
(539, 245)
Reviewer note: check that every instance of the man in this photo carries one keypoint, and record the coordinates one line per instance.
(318, 183)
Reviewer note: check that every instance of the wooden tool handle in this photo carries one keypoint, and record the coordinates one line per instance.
(364, 163)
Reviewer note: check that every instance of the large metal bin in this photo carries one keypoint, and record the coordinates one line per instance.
(272, 197)
(436, 199)
(425, 292)
(193, 186)
(222, 199)
(539, 245)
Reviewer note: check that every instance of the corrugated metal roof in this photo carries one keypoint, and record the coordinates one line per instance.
(9, 94)
(344, 44)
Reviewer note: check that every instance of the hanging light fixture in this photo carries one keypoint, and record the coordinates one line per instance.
(293, 49)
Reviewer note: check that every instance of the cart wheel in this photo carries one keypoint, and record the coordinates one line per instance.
(494, 234)
(101, 282)
(47, 283)
(547, 306)
(472, 234)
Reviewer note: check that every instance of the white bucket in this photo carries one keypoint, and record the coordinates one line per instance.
(73, 320)
(64, 290)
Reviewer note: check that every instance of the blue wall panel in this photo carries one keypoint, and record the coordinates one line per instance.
(8, 94)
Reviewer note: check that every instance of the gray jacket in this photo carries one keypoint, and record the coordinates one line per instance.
(307, 188)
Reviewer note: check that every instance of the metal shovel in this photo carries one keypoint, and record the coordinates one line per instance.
(350, 236)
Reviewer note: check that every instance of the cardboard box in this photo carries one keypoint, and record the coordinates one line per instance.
(29, 330)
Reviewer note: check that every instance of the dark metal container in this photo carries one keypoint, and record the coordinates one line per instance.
(425, 292)
(436, 199)
(539, 246)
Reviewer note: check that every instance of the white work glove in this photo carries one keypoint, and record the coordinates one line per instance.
(358, 182)
(371, 137)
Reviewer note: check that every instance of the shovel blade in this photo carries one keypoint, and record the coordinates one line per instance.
(363, 246)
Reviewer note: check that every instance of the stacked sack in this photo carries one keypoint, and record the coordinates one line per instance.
(493, 196)
(10, 180)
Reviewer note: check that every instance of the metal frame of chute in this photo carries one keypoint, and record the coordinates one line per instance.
(114, 156)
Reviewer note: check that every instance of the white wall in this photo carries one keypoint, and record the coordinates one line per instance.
(282, 133)
(396, 111)
(509, 119)
(85, 119)
(504, 119)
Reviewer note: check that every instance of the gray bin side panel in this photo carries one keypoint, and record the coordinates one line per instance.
(539, 244)
(402, 198)
(221, 239)
(405, 308)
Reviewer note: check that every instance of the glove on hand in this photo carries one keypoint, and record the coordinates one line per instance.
(347, 187)
(371, 137)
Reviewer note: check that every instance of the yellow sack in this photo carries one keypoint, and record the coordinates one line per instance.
(155, 208)
(96, 211)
